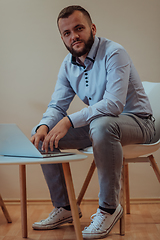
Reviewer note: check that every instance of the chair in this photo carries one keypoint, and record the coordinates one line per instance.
(4, 209)
(133, 154)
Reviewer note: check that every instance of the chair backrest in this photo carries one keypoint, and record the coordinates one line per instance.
(153, 92)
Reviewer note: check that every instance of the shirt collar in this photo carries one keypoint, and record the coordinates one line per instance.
(91, 55)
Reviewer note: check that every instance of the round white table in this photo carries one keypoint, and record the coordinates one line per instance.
(65, 160)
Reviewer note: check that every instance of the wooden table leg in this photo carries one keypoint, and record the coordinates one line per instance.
(23, 197)
(72, 199)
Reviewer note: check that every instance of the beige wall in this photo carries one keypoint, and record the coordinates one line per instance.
(31, 52)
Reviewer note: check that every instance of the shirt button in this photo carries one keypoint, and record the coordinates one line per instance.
(90, 98)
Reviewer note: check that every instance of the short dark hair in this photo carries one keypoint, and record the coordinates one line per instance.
(67, 11)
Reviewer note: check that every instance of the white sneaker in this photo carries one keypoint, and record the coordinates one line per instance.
(102, 223)
(56, 218)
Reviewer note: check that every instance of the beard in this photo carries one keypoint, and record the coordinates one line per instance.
(87, 46)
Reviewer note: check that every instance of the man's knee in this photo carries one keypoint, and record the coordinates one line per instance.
(104, 128)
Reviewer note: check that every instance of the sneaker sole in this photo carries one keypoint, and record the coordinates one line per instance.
(57, 224)
(103, 235)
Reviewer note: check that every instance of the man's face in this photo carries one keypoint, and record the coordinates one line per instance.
(77, 34)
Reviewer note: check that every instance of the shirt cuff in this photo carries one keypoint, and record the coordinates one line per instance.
(42, 125)
(70, 121)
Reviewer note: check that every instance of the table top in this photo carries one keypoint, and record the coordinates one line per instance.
(27, 160)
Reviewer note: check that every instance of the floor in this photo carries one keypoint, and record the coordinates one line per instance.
(142, 224)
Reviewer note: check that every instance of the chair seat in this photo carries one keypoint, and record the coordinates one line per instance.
(132, 150)
(137, 150)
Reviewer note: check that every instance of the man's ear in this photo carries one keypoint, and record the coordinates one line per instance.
(93, 28)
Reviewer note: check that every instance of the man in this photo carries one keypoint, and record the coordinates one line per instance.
(102, 74)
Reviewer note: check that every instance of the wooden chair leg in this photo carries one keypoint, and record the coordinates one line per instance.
(155, 167)
(4, 209)
(122, 200)
(127, 188)
(86, 183)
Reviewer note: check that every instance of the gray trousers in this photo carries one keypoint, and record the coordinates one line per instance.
(107, 135)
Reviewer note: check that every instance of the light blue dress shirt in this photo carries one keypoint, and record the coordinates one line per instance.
(107, 83)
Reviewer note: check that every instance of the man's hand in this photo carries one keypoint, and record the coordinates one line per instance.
(39, 135)
(58, 132)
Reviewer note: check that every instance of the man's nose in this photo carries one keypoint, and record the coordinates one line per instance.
(74, 36)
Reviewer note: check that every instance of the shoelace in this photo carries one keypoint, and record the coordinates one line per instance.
(97, 220)
(54, 212)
